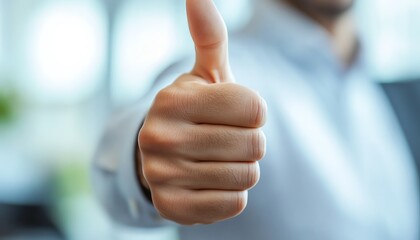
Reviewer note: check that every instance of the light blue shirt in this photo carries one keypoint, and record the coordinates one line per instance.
(337, 165)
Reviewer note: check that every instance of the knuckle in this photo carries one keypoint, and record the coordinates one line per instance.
(169, 101)
(154, 172)
(144, 139)
(164, 206)
(159, 172)
(257, 145)
(177, 100)
(166, 95)
(157, 139)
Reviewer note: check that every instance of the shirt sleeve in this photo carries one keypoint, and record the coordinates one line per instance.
(114, 175)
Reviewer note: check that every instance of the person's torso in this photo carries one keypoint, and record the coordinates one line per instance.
(337, 166)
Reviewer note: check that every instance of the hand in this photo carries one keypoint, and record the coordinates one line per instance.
(201, 140)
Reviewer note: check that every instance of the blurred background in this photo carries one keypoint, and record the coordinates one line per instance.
(65, 65)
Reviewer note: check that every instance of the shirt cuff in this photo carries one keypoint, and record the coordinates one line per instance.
(140, 209)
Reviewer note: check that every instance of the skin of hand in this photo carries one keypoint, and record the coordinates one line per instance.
(202, 139)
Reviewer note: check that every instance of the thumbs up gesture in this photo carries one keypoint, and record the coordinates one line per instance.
(201, 141)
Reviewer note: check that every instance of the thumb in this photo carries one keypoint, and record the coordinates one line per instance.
(209, 33)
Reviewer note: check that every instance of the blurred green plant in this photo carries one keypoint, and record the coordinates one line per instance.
(72, 180)
(8, 104)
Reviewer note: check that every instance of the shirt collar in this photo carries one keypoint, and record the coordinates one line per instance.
(298, 36)
(282, 25)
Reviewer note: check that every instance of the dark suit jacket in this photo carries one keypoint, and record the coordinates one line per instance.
(405, 98)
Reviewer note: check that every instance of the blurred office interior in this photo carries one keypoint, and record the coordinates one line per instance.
(66, 65)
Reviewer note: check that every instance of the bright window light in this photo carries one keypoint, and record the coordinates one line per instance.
(236, 13)
(144, 45)
(391, 33)
(1, 39)
(66, 50)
